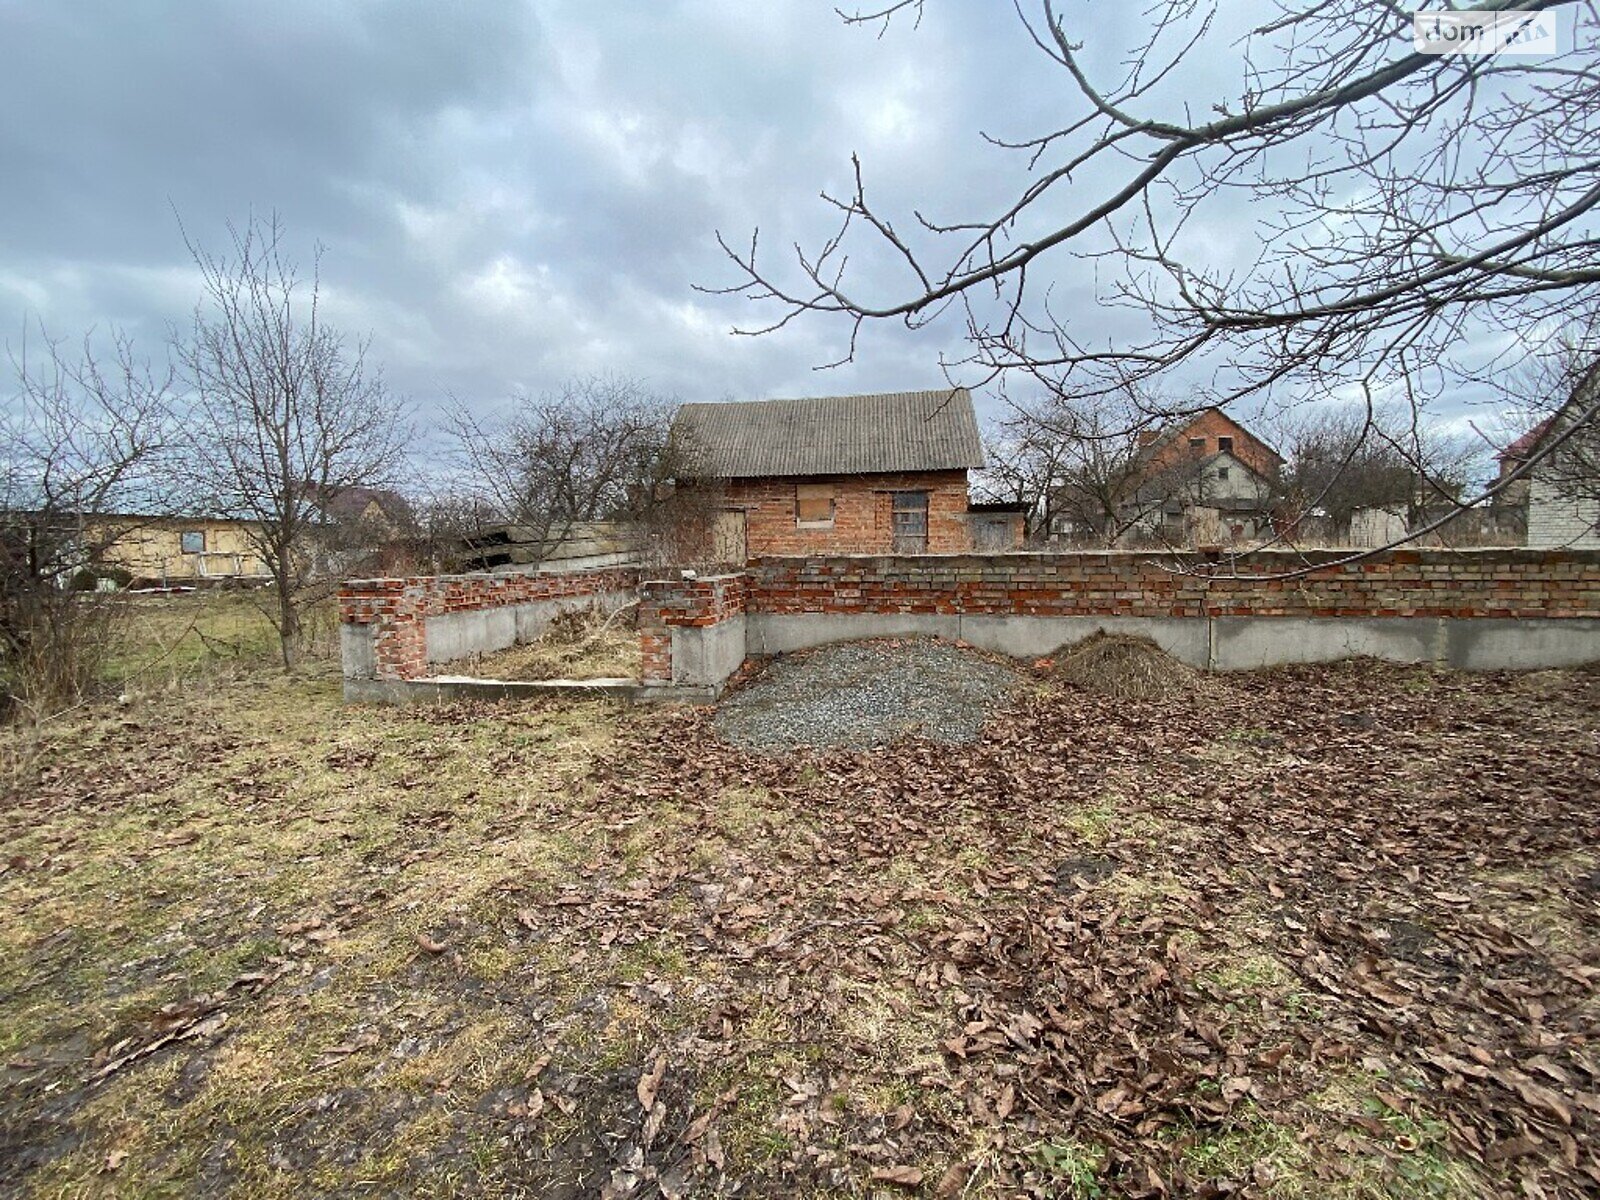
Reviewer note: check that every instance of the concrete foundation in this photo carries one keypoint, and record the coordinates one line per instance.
(449, 690)
(1248, 643)
(706, 655)
(451, 636)
(358, 652)
(1489, 645)
(1221, 643)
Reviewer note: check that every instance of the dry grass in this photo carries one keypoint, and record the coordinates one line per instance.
(587, 913)
(1125, 668)
(582, 644)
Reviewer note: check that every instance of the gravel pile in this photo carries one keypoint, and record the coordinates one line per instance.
(863, 694)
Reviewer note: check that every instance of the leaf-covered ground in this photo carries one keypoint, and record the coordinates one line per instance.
(1313, 932)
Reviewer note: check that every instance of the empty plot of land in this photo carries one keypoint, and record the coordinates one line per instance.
(1329, 932)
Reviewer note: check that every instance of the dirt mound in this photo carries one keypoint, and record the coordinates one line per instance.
(1125, 668)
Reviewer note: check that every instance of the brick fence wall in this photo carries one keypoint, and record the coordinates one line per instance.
(1474, 608)
(397, 610)
(1400, 583)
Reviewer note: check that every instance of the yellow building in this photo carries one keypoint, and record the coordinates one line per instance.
(178, 549)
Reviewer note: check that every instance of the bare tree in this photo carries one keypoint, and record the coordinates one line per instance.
(1025, 462)
(286, 409)
(596, 449)
(1344, 459)
(1080, 462)
(1407, 208)
(81, 444)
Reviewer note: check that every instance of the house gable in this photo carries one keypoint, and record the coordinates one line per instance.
(1205, 434)
(1564, 489)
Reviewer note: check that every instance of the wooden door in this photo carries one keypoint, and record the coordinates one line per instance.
(909, 513)
(728, 537)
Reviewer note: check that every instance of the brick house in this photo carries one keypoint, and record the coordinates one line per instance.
(875, 474)
(1208, 477)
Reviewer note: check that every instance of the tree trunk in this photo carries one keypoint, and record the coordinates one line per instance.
(288, 627)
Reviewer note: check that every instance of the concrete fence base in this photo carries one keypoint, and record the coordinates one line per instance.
(1216, 643)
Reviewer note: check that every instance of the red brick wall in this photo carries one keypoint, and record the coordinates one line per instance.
(664, 603)
(1211, 425)
(861, 523)
(1401, 583)
(399, 608)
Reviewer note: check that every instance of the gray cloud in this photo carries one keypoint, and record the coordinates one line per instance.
(510, 192)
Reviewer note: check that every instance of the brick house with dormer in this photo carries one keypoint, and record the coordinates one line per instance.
(1209, 464)
(875, 474)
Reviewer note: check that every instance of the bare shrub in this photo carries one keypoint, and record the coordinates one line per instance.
(78, 441)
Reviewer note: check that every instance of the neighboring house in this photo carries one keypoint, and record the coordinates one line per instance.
(834, 475)
(1206, 479)
(1563, 489)
(1515, 493)
(382, 513)
(166, 550)
(163, 550)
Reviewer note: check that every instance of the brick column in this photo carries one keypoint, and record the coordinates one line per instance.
(666, 604)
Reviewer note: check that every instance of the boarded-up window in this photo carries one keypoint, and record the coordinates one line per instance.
(991, 534)
(813, 504)
(910, 515)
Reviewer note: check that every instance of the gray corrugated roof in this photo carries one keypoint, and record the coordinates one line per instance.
(830, 435)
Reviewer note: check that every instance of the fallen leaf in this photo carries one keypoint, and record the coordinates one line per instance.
(650, 1083)
(952, 1181)
(1504, 1151)
(900, 1176)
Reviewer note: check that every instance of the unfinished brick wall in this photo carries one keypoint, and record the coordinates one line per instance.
(862, 506)
(694, 603)
(1400, 583)
(399, 608)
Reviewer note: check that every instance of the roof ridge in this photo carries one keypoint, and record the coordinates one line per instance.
(820, 399)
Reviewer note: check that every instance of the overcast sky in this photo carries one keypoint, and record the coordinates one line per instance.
(513, 192)
(509, 192)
